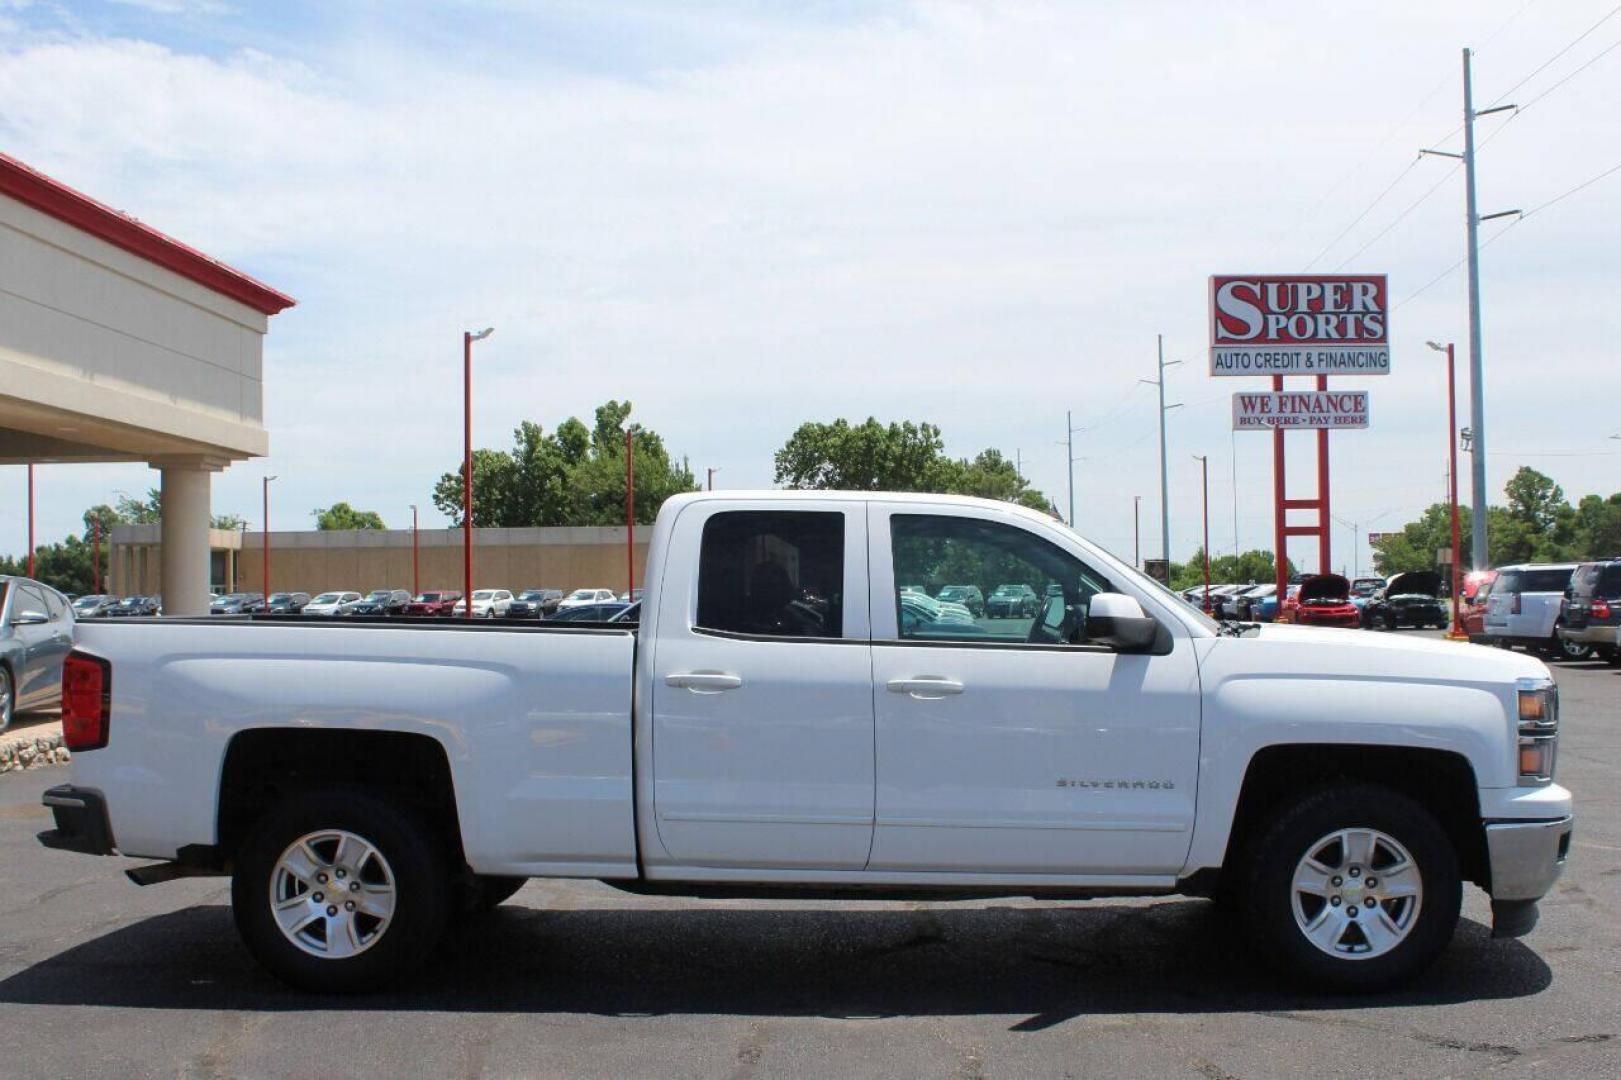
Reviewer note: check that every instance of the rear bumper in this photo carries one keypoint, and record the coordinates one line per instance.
(81, 821)
(1591, 634)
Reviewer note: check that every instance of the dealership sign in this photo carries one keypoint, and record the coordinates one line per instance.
(1299, 324)
(1300, 410)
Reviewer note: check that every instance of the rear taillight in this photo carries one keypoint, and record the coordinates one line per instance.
(87, 691)
(1600, 608)
(1514, 604)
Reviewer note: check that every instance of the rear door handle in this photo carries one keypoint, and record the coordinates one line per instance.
(703, 682)
(928, 686)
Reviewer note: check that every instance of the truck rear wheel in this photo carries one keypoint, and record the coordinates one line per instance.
(339, 891)
(1354, 888)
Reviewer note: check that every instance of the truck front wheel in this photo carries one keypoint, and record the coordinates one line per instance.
(339, 891)
(1354, 888)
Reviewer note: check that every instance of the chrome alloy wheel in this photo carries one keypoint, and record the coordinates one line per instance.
(1356, 894)
(332, 894)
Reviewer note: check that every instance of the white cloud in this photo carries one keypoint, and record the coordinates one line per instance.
(974, 214)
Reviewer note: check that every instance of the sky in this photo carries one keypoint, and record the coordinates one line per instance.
(745, 215)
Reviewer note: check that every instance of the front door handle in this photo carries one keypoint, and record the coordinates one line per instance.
(929, 686)
(703, 682)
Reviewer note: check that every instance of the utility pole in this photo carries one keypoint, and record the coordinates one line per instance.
(30, 519)
(710, 481)
(1477, 384)
(1137, 531)
(468, 337)
(1204, 473)
(416, 587)
(1018, 463)
(1069, 444)
(265, 555)
(630, 511)
(1164, 475)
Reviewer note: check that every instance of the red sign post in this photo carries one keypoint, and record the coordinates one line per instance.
(1300, 324)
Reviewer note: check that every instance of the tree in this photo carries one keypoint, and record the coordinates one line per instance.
(340, 517)
(574, 476)
(900, 457)
(1254, 566)
(149, 511)
(1534, 499)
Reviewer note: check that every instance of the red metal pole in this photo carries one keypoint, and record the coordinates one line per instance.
(467, 473)
(30, 519)
(1456, 630)
(416, 589)
(630, 513)
(1324, 558)
(1280, 516)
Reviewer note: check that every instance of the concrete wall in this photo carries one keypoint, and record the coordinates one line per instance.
(315, 561)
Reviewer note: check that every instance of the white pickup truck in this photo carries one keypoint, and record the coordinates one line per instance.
(786, 721)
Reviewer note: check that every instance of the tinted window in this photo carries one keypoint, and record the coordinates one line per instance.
(1000, 560)
(1609, 583)
(30, 598)
(774, 573)
(1554, 581)
(1597, 579)
(56, 605)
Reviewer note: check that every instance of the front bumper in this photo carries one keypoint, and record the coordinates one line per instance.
(81, 821)
(1527, 857)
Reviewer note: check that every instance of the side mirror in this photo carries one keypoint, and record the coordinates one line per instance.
(1118, 621)
(29, 618)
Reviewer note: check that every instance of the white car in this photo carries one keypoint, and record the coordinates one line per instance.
(328, 603)
(782, 718)
(487, 603)
(581, 597)
(1524, 608)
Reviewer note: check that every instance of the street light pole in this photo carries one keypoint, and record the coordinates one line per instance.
(630, 510)
(266, 538)
(1455, 632)
(95, 555)
(710, 485)
(416, 587)
(1137, 531)
(468, 337)
(1204, 474)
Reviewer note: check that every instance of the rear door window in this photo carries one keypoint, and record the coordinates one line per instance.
(1545, 581)
(773, 573)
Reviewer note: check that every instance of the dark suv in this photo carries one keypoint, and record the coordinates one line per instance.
(1592, 614)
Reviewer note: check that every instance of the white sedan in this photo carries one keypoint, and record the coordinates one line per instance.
(487, 603)
(581, 597)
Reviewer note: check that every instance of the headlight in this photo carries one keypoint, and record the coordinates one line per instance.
(1538, 729)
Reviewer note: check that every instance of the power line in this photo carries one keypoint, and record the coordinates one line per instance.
(1400, 217)
(1591, 61)
(1545, 64)
(1377, 199)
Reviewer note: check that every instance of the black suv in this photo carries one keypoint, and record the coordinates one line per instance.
(1592, 614)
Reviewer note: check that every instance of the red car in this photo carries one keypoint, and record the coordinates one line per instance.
(1324, 600)
(1477, 587)
(438, 602)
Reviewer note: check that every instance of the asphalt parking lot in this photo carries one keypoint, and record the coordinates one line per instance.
(98, 977)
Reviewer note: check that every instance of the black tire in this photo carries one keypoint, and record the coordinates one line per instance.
(480, 893)
(1268, 871)
(421, 889)
(8, 697)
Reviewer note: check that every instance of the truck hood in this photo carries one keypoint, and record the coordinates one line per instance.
(1314, 650)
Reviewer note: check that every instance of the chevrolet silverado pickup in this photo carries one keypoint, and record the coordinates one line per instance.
(785, 722)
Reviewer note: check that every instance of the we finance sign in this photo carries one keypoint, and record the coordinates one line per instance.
(1299, 324)
(1300, 410)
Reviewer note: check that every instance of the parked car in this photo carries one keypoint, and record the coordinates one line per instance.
(631, 597)
(632, 613)
(1477, 588)
(433, 602)
(287, 603)
(601, 612)
(1341, 789)
(1593, 610)
(968, 596)
(1408, 599)
(328, 603)
(1525, 606)
(534, 604)
(134, 606)
(1363, 590)
(1323, 600)
(36, 632)
(1242, 605)
(487, 604)
(93, 606)
(1266, 608)
(1012, 602)
(237, 603)
(580, 597)
(378, 603)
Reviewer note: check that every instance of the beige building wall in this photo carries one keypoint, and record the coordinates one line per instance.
(313, 562)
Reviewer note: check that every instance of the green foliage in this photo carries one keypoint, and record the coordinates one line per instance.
(903, 456)
(341, 516)
(1537, 525)
(1254, 566)
(574, 476)
(149, 511)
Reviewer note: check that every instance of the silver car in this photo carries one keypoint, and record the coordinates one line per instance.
(36, 632)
